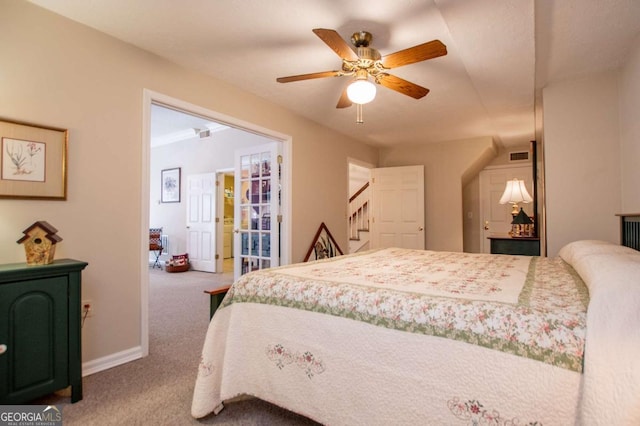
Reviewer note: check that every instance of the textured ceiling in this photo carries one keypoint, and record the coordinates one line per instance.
(499, 53)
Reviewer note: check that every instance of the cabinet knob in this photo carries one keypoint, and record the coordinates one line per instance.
(486, 225)
(3, 349)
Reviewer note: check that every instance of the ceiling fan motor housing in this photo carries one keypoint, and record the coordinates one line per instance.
(362, 38)
(368, 53)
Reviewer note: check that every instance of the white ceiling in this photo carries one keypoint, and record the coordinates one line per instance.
(499, 53)
(169, 126)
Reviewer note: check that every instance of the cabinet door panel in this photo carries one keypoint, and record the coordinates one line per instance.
(36, 335)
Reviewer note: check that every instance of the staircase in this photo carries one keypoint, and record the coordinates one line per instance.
(359, 220)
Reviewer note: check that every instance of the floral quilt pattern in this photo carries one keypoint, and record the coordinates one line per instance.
(306, 361)
(458, 275)
(475, 414)
(547, 323)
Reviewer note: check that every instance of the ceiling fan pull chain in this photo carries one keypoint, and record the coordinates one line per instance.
(359, 118)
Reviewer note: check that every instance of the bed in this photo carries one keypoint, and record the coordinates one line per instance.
(397, 336)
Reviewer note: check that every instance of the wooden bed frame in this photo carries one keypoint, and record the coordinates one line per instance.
(630, 230)
(215, 298)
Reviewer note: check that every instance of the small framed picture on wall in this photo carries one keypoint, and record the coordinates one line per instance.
(170, 181)
(33, 161)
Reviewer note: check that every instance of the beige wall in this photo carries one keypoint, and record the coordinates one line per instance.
(629, 90)
(58, 73)
(471, 216)
(582, 160)
(448, 167)
(591, 150)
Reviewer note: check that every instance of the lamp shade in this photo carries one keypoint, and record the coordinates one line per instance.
(515, 192)
(361, 91)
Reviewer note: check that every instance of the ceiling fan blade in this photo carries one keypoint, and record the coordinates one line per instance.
(308, 76)
(344, 101)
(403, 86)
(421, 52)
(336, 43)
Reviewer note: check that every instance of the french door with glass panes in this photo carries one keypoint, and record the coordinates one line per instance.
(257, 208)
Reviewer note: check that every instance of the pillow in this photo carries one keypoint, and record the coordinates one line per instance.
(579, 249)
(601, 264)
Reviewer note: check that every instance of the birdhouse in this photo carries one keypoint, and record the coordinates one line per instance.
(40, 241)
(522, 225)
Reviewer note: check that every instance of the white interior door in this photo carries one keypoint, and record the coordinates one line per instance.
(257, 208)
(496, 218)
(397, 201)
(201, 225)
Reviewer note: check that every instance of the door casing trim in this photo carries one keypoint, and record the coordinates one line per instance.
(150, 97)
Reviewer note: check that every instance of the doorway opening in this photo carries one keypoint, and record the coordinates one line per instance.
(226, 211)
(496, 218)
(205, 144)
(359, 205)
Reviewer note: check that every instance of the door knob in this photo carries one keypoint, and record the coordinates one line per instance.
(420, 228)
(486, 225)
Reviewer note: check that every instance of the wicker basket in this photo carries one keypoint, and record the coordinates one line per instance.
(176, 268)
(178, 263)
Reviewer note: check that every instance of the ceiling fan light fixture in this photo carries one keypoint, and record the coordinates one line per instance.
(361, 91)
(365, 62)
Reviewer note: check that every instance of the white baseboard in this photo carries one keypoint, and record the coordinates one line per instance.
(110, 361)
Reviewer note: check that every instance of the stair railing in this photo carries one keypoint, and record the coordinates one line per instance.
(359, 212)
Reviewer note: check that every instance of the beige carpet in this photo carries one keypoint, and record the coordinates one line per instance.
(157, 390)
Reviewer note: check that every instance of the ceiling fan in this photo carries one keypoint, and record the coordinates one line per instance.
(366, 64)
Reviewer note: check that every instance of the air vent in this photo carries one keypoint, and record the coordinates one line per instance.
(519, 156)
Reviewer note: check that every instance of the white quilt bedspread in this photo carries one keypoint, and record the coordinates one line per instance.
(362, 352)
(321, 367)
(435, 273)
(611, 388)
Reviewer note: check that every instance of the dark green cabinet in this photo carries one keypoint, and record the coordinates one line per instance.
(527, 246)
(40, 340)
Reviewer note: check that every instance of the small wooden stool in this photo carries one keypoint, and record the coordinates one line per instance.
(215, 298)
